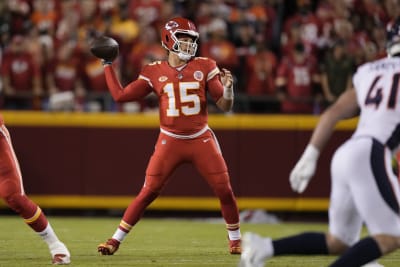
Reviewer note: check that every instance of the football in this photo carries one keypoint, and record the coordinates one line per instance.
(105, 47)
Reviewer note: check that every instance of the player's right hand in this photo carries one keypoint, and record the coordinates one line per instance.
(304, 169)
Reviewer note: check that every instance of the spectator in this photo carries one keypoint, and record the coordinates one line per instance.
(91, 24)
(344, 30)
(218, 46)
(44, 16)
(97, 97)
(126, 31)
(146, 12)
(261, 74)
(308, 23)
(68, 23)
(328, 12)
(20, 76)
(63, 76)
(245, 43)
(293, 37)
(297, 82)
(41, 47)
(336, 72)
(147, 42)
(20, 11)
(392, 8)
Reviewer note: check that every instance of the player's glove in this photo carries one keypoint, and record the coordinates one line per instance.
(304, 169)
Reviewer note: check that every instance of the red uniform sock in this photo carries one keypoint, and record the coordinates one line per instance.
(137, 207)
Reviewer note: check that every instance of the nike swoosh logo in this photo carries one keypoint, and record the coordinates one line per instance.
(206, 140)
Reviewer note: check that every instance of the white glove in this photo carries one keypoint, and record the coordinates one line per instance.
(304, 169)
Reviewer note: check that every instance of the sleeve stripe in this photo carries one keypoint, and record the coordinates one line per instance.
(212, 73)
(146, 79)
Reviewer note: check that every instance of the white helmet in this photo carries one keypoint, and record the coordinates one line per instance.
(393, 38)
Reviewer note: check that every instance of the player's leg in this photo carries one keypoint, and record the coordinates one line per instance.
(211, 165)
(257, 249)
(11, 190)
(162, 163)
(345, 222)
(376, 193)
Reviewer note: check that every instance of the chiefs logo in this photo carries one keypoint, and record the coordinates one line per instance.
(198, 75)
(171, 25)
(162, 79)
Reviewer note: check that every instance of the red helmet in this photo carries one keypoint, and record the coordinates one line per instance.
(169, 37)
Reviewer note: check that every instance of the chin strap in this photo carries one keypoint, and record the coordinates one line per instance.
(106, 62)
(183, 56)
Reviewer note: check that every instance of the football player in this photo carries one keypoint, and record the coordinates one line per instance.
(12, 192)
(364, 188)
(181, 84)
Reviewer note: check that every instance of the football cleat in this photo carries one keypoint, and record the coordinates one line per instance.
(235, 246)
(109, 247)
(59, 253)
(373, 264)
(255, 250)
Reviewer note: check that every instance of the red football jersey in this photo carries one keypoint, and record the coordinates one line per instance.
(181, 92)
(21, 69)
(299, 78)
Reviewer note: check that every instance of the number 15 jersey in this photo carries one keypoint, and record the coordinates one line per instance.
(182, 93)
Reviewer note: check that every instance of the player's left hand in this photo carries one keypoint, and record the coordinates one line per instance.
(226, 78)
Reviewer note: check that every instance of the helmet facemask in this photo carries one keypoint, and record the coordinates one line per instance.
(393, 38)
(184, 49)
(393, 49)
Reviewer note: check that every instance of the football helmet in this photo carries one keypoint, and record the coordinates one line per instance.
(171, 32)
(393, 38)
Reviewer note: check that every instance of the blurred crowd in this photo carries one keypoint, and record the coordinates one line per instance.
(287, 56)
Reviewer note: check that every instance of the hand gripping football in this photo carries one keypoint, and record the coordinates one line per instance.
(105, 47)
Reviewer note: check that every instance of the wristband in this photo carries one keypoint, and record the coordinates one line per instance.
(228, 93)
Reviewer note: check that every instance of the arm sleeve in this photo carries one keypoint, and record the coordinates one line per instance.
(216, 88)
(214, 84)
(133, 91)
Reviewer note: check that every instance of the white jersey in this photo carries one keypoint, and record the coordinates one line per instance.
(364, 188)
(377, 85)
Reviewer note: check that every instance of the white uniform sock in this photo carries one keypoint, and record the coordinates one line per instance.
(234, 235)
(48, 235)
(119, 235)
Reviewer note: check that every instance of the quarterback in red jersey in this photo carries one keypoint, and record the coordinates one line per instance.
(181, 84)
(12, 192)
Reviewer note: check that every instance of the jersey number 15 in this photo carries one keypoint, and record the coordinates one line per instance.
(190, 102)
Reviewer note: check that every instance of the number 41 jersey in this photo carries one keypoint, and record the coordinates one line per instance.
(182, 92)
(377, 86)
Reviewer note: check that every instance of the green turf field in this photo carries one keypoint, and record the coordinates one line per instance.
(153, 242)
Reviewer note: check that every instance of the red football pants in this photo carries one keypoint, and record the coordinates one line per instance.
(204, 153)
(10, 176)
(11, 186)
